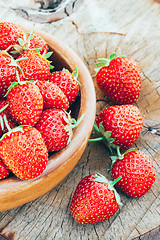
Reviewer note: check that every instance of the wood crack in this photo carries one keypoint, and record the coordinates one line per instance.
(96, 232)
(98, 32)
(5, 226)
(142, 216)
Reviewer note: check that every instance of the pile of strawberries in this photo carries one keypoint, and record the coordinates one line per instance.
(34, 121)
(118, 126)
(33, 103)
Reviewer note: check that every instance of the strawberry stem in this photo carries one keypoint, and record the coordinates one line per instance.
(1, 123)
(115, 181)
(17, 75)
(75, 73)
(102, 179)
(104, 136)
(20, 59)
(6, 123)
(118, 151)
(2, 109)
(75, 123)
(95, 127)
(96, 139)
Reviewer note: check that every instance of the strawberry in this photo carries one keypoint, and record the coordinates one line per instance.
(24, 152)
(9, 34)
(136, 170)
(4, 171)
(94, 200)
(120, 79)
(7, 72)
(38, 42)
(67, 82)
(30, 41)
(25, 103)
(119, 125)
(53, 96)
(55, 125)
(6, 120)
(33, 66)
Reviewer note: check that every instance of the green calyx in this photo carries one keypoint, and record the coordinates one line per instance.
(71, 124)
(119, 156)
(13, 62)
(16, 129)
(104, 136)
(74, 123)
(102, 179)
(23, 43)
(75, 74)
(105, 62)
(46, 56)
(14, 84)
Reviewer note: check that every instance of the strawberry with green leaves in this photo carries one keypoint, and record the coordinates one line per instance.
(24, 152)
(56, 126)
(136, 170)
(25, 103)
(8, 69)
(119, 126)
(95, 200)
(4, 170)
(37, 42)
(30, 41)
(67, 82)
(53, 96)
(6, 121)
(119, 78)
(9, 34)
(34, 66)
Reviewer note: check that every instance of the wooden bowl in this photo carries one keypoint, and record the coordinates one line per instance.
(15, 192)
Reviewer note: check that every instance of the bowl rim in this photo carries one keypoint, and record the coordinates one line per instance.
(14, 187)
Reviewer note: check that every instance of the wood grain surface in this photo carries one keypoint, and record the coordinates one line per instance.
(96, 29)
(47, 11)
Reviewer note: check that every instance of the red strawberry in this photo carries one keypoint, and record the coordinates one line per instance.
(56, 128)
(53, 96)
(34, 66)
(120, 79)
(30, 41)
(9, 34)
(7, 73)
(137, 172)
(53, 124)
(4, 171)
(6, 120)
(24, 152)
(120, 125)
(67, 82)
(25, 103)
(95, 200)
(38, 42)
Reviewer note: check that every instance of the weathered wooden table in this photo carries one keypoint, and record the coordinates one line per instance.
(96, 29)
